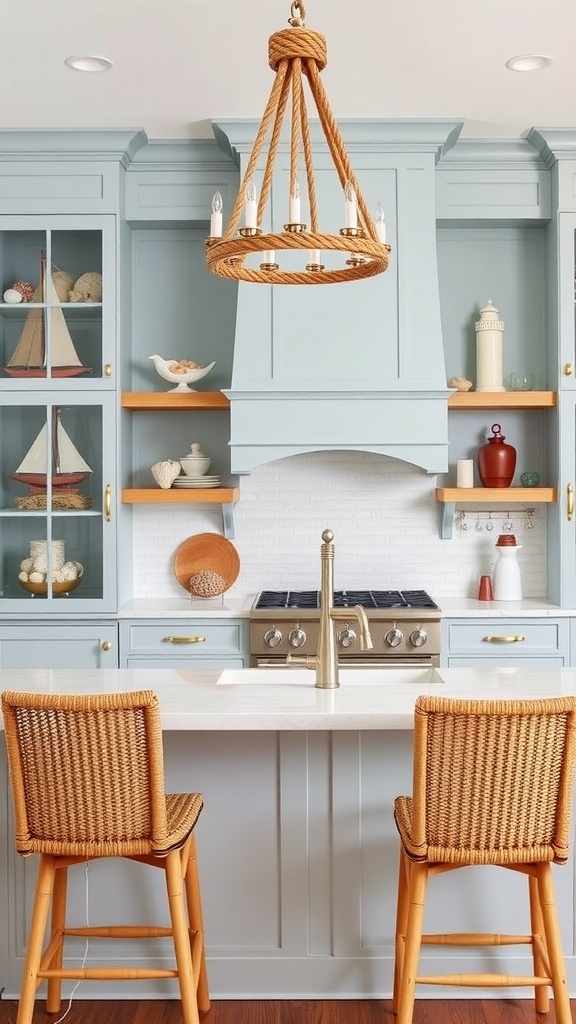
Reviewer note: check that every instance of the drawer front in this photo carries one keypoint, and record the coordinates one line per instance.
(507, 638)
(185, 639)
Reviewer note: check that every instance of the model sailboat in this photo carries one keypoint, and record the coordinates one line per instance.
(68, 466)
(29, 359)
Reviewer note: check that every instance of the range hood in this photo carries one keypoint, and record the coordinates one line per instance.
(355, 366)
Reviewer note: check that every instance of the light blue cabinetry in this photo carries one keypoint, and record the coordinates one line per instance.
(511, 642)
(72, 644)
(184, 643)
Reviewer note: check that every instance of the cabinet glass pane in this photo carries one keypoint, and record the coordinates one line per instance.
(59, 333)
(51, 518)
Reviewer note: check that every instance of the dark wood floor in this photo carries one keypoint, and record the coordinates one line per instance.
(305, 1011)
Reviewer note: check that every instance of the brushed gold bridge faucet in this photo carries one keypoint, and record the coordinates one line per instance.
(325, 662)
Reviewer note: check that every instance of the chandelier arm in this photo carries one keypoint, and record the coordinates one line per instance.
(309, 163)
(257, 147)
(336, 146)
(274, 140)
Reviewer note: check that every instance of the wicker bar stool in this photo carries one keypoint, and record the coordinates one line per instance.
(87, 780)
(492, 784)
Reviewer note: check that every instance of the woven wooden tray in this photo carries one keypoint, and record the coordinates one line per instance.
(206, 552)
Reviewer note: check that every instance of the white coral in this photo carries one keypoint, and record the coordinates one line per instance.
(26, 565)
(36, 577)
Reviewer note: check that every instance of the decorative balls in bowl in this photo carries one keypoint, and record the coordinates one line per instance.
(181, 372)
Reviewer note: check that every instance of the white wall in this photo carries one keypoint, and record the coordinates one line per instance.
(385, 522)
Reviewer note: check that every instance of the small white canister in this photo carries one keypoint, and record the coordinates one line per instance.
(506, 578)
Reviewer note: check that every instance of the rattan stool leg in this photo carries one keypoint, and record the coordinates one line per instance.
(194, 903)
(417, 884)
(58, 921)
(541, 992)
(401, 920)
(554, 944)
(181, 937)
(40, 910)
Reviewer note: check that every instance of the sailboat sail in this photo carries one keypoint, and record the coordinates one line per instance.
(30, 352)
(68, 466)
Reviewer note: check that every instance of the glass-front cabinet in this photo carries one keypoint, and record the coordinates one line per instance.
(57, 321)
(58, 416)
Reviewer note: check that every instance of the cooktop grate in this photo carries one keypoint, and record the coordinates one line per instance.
(345, 599)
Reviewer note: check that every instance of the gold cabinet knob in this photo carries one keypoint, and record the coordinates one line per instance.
(568, 369)
(106, 645)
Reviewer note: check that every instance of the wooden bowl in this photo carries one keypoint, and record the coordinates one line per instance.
(210, 553)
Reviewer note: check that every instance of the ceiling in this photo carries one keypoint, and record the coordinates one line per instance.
(180, 63)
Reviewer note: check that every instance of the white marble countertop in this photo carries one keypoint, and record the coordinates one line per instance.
(239, 608)
(188, 608)
(368, 699)
(529, 608)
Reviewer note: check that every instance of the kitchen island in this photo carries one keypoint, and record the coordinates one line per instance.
(297, 845)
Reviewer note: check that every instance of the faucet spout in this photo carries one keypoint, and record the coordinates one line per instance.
(326, 661)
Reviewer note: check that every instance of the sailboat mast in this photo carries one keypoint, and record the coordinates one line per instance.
(55, 453)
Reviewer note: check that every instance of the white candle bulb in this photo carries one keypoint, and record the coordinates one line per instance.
(350, 207)
(251, 206)
(216, 216)
(269, 256)
(380, 223)
(294, 206)
(314, 256)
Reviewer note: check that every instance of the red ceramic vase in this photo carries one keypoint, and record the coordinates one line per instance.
(496, 460)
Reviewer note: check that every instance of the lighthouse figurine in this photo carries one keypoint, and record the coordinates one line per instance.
(489, 330)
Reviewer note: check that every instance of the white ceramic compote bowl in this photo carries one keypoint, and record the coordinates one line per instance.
(176, 372)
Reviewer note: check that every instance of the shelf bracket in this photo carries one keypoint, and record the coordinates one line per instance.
(447, 510)
(228, 520)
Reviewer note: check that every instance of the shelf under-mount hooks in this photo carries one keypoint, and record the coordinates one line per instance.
(488, 496)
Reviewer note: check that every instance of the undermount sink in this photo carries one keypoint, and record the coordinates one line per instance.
(348, 676)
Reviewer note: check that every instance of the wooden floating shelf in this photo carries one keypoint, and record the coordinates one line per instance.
(500, 495)
(174, 400)
(176, 495)
(503, 400)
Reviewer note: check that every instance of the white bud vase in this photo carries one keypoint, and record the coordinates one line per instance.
(506, 579)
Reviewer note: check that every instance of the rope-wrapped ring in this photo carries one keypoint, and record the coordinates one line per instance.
(297, 42)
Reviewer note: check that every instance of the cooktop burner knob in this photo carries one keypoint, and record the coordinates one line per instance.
(418, 637)
(297, 637)
(394, 637)
(273, 637)
(346, 637)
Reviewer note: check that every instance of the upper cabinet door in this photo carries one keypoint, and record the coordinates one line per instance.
(58, 303)
(567, 301)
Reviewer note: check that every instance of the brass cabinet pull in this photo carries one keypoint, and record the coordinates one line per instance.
(569, 502)
(568, 369)
(185, 639)
(107, 369)
(106, 645)
(504, 639)
(108, 503)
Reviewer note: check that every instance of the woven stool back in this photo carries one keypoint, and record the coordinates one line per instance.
(86, 772)
(493, 780)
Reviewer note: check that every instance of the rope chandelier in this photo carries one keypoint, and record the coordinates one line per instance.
(292, 53)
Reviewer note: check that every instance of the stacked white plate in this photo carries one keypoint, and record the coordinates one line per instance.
(197, 481)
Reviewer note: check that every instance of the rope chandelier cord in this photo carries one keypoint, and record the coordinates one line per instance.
(292, 53)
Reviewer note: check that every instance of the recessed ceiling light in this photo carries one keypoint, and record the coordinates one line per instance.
(529, 62)
(81, 62)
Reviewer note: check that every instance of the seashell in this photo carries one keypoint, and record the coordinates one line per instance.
(26, 564)
(25, 289)
(460, 383)
(12, 295)
(23, 576)
(165, 472)
(36, 577)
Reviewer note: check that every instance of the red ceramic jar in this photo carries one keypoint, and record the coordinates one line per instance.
(496, 460)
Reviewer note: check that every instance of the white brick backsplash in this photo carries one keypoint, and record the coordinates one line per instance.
(385, 521)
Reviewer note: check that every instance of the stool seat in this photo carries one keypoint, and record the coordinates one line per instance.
(492, 785)
(87, 781)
